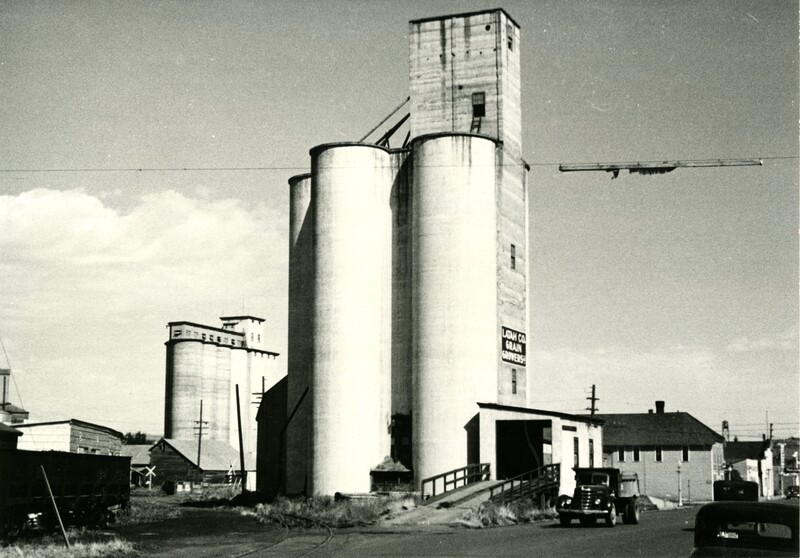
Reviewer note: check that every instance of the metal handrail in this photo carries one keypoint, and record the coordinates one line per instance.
(462, 476)
(526, 483)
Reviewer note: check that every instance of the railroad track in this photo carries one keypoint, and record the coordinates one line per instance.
(294, 544)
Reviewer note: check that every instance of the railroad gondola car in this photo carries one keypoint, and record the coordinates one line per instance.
(88, 489)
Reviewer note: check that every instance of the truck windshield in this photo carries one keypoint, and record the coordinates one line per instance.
(592, 478)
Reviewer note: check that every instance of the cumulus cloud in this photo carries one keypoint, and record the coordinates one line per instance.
(63, 249)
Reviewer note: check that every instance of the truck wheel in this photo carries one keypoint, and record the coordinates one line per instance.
(611, 516)
(564, 520)
(632, 512)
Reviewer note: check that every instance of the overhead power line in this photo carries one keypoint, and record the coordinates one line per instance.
(567, 167)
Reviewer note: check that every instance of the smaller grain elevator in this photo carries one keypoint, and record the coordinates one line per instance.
(206, 363)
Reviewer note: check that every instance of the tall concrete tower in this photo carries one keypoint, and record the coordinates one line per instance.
(408, 272)
(470, 231)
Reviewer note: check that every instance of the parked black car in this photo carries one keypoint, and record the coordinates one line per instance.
(738, 528)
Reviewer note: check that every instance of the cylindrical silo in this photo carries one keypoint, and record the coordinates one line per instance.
(454, 281)
(301, 282)
(350, 191)
(215, 395)
(184, 389)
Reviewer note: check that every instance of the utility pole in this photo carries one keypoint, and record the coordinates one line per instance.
(241, 442)
(593, 399)
(258, 395)
(199, 428)
(680, 492)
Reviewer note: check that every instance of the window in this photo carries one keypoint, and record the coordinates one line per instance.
(204, 337)
(513, 257)
(575, 453)
(176, 333)
(259, 338)
(621, 455)
(685, 453)
(478, 104)
(513, 381)
(591, 453)
(510, 35)
(636, 456)
(659, 455)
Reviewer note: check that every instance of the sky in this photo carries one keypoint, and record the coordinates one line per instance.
(680, 287)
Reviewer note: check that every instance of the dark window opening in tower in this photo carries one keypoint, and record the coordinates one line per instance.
(513, 381)
(510, 35)
(478, 104)
(513, 257)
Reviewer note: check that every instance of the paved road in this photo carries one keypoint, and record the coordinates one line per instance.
(660, 534)
(228, 533)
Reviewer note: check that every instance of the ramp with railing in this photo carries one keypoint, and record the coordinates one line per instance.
(443, 483)
(540, 483)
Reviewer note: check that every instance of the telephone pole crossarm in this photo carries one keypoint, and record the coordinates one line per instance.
(657, 167)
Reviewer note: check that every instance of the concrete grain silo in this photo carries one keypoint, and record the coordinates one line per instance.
(453, 292)
(350, 382)
(184, 389)
(301, 291)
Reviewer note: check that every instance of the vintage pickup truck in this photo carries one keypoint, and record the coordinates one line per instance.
(601, 492)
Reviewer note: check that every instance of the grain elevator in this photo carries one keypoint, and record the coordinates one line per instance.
(206, 364)
(408, 272)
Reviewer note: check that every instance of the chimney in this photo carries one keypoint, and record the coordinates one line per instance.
(650, 411)
(660, 407)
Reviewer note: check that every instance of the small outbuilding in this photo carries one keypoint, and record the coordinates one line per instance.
(140, 460)
(176, 462)
(8, 436)
(71, 435)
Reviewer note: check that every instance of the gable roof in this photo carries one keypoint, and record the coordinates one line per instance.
(10, 408)
(139, 453)
(738, 451)
(7, 430)
(656, 429)
(215, 455)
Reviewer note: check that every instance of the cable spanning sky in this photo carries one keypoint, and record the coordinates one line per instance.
(679, 287)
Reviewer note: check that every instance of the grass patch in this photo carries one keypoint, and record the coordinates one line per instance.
(83, 544)
(149, 510)
(222, 494)
(324, 511)
(490, 514)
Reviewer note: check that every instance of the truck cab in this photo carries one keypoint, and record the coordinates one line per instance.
(600, 492)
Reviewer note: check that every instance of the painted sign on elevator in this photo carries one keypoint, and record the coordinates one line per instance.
(513, 345)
